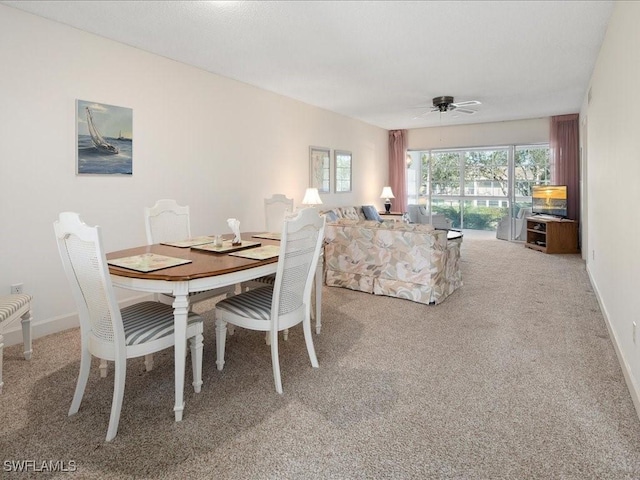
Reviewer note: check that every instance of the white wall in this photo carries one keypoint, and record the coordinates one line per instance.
(612, 156)
(519, 132)
(215, 144)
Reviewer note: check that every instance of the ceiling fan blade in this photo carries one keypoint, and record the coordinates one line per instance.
(465, 110)
(428, 112)
(467, 103)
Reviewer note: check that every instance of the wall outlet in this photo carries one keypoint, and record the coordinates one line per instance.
(17, 288)
(634, 331)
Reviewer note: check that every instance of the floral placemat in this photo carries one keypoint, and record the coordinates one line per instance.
(260, 253)
(147, 262)
(226, 247)
(190, 242)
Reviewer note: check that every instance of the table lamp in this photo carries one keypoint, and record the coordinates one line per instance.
(311, 197)
(387, 194)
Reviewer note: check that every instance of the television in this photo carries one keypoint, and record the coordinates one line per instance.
(549, 200)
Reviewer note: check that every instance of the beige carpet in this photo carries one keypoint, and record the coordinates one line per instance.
(513, 376)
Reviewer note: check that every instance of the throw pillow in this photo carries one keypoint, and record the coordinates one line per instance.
(370, 213)
(349, 212)
(331, 216)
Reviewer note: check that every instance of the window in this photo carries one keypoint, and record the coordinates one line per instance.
(342, 162)
(445, 173)
(475, 188)
(532, 167)
(486, 172)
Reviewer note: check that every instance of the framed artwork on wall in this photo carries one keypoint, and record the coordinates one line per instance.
(104, 135)
(342, 165)
(319, 169)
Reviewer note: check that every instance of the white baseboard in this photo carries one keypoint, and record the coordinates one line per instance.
(626, 370)
(40, 328)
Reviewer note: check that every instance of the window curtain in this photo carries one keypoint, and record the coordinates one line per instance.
(398, 169)
(565, 159)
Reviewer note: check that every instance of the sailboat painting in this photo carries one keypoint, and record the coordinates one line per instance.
(105, 139)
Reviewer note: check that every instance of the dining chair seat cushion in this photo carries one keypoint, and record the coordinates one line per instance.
(10, 304)
(147, 321)
(255, 303)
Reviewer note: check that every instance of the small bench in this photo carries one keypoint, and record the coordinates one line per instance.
(14, 307)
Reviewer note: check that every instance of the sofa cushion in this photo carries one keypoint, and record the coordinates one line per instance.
(331, 215)
(370, 213)
(350, 212)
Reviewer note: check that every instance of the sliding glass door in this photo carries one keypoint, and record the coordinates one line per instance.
(480, 188)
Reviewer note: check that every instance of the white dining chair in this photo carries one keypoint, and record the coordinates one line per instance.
(106, 331)
(287, 302)
(167, 221)
(15, 307)
(275, 209)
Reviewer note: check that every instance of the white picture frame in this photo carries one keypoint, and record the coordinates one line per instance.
(320, 169)
(343, 171)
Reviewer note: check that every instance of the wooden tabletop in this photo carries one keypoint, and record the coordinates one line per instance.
(203, 264)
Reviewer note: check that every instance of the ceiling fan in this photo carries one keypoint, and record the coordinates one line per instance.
(445, 104)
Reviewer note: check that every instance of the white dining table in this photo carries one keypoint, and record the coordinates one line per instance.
(206, 271)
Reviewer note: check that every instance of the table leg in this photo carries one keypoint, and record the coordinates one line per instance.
(180, 312)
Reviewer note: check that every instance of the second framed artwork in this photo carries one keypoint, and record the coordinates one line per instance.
(320, 170)
(342, 168)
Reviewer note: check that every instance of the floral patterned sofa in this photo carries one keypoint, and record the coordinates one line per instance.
(411, 261)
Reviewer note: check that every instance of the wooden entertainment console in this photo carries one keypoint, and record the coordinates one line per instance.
(552, 235)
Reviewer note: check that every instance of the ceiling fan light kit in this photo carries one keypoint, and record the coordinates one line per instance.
(446, 103)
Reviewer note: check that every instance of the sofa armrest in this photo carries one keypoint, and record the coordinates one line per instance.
(439, 220)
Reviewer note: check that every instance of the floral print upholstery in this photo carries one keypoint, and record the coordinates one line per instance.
(352, 213)
(411, 261)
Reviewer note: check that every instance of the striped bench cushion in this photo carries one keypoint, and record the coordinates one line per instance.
(10, 304)
(146, 321)
(252, 304)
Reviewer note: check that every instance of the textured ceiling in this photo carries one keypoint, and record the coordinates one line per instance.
(374, 61)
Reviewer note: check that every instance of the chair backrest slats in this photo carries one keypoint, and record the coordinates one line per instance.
(300, 245)
(167, 221)
(85, 265)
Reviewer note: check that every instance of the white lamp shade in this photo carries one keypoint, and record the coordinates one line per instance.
(311, 197)
(386, 193)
